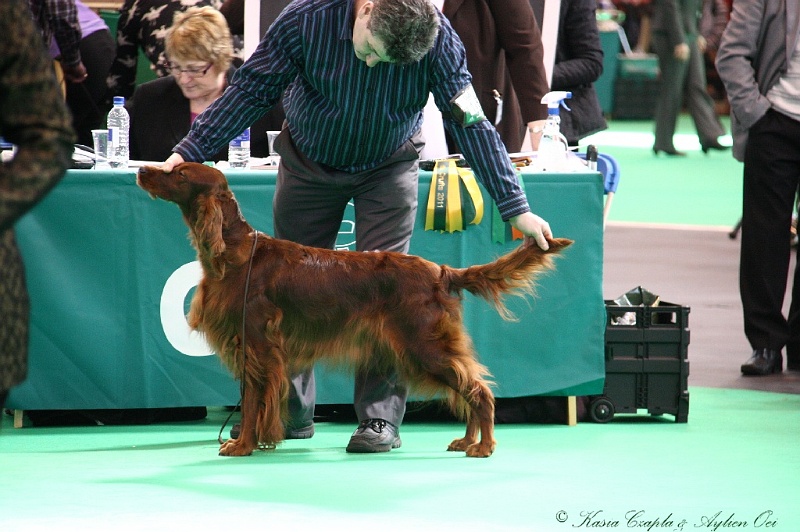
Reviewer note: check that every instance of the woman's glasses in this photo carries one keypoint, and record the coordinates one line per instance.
(192, 72)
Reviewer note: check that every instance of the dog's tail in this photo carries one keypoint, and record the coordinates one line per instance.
(515, 272)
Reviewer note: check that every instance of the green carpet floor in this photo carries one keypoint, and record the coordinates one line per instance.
(734, 465)
(694, 190)
(735, 459)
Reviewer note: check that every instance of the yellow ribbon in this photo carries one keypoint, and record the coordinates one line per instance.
(450, 187)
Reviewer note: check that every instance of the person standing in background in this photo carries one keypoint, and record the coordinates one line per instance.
(85, 100)
(578, 64)
(505, 60)
(58, 19)
(636, 24)
(679, 46)
(34, 117)
(759, 62)
(713, 21)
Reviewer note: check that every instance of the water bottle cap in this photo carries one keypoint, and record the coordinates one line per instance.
(119, 100)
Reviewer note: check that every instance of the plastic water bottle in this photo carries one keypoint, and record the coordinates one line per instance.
(118, 123)
(239, 150)
(552, 153)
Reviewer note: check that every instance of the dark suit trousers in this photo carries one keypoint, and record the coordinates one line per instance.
(771, 180)
(682, 83)
(308, 207)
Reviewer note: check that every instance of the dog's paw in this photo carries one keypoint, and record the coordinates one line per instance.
(235, 448)
(460, 444)
(480, 450)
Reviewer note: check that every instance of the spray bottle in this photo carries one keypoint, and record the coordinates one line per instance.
(552, 154)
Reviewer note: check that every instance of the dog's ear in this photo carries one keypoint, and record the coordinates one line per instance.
(208, 233)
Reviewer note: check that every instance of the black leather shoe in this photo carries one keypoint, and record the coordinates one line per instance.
(374, 436)
(763, 362)
(671, 152)
(291, 434)
(303, 433)
(712, 145)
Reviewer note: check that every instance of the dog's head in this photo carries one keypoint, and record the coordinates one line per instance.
(199, 191)
(184, 184)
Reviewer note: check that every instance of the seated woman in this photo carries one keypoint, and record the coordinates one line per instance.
(199, 52)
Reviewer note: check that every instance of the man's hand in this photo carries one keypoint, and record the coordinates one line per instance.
(533, 226)
(174, 160)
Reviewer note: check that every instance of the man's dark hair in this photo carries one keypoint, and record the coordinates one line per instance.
(408, 28)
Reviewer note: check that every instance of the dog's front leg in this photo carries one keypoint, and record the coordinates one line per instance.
(247, 440)
(251, 404)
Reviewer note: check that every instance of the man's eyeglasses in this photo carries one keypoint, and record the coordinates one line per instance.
(194, 72)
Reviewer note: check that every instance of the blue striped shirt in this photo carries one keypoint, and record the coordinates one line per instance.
(342, 113)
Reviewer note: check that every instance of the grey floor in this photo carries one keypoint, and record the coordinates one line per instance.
(698, 268)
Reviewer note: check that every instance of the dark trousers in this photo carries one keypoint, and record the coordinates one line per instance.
(85, 100)
(682, 83)
(771, 180)
(308, 207)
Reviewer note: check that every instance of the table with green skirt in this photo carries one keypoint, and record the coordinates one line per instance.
(111, 272)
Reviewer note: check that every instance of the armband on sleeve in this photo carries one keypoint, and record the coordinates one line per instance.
(465, 108)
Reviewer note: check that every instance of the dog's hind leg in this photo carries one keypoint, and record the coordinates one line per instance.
(448, 358)
(480, 418)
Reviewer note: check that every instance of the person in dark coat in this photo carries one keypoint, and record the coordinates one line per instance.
(578, 64)
(504, 55)
(34, 117)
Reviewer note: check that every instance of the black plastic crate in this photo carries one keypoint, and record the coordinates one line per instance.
(635, 98)
(647, 364)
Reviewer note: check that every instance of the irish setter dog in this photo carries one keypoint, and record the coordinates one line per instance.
(307, 304)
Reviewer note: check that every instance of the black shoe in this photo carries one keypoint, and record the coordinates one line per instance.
(763, 362)
(303, 433)
(291, 434)
(712, 145)
(374, 436)
(671, 152)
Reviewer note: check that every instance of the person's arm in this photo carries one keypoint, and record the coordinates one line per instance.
(579, 43)
(62, 17)
(738, 50)
(34, 116)
(713, 21)
(672, 25)
(254, 89)
(233, 11)
(479, 141)
(121, 79)
(521, 40)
